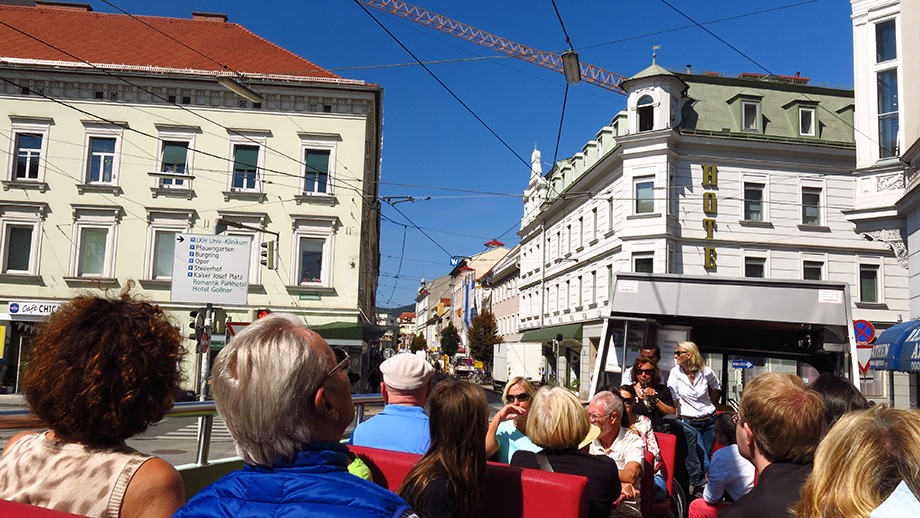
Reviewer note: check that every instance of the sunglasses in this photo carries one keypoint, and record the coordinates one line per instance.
(629, 401)
(342, 360)
(649, 372)
(520, 398)
(678, 353)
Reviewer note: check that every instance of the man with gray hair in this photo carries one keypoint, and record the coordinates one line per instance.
(403, 423)
(286, 399)
(626, 448)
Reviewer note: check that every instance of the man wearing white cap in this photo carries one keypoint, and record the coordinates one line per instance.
(403, 424)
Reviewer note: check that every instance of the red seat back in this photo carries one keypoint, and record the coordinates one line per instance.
(667, 444)
(20, 510)
(510, 492)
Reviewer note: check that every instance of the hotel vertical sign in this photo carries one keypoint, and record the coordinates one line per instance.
(710, 184)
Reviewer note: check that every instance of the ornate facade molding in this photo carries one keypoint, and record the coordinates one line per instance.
(894, 239)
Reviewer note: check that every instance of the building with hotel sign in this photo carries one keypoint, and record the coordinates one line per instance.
(706, 175)
(121, 131)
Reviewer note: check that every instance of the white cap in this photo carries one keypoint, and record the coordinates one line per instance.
(406, 371)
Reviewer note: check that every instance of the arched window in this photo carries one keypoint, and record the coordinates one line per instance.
(646, 111)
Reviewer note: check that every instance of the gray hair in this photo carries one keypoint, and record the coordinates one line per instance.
(612, 402)
(262, 384)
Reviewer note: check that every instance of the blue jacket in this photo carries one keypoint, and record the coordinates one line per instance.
(316, 484)
(397, 428)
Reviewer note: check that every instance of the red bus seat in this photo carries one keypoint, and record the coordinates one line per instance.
(20, 510)
(510, 492)
(667, 444)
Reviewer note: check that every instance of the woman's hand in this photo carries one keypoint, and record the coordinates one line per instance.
(510, 411)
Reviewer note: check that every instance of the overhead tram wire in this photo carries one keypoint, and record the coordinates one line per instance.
(451, 92)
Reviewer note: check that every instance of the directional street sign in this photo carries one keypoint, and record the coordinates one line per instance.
(742, 364)
(209, 268)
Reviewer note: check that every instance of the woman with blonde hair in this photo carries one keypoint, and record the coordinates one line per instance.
(508, 429)
(860, 462)
(694, 389)
(448, 480)
(559, 424)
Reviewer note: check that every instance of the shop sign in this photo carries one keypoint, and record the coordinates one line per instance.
(710, 209)
(41, 309)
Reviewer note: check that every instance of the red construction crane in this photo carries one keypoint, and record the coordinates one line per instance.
(589, 73)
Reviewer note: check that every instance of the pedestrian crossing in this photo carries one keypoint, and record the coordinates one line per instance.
(219, 431)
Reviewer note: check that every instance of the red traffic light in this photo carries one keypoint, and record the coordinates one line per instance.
(262, 313)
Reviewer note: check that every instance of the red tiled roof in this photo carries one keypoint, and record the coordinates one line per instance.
(117, 39)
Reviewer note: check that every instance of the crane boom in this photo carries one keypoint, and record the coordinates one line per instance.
(589, 73)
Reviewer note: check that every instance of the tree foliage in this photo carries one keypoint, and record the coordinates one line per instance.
(419, 343)
(483, 335)
(450, 340)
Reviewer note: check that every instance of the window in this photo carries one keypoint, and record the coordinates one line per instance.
(163, 227)
(93, 252)
(581, 232)
(20, 231)
(594, 224)
(593, 298)
(868, 283)
(753, 201)
(812, 270)
(645, 110)
(174, 160)
(580, 296)
(29, 141)
(610, 214)
(28, 156)
(316, 176)
(645, 202)
(245, 167)
(609, 282)
(570, 242)
(885, 41)
(750, 116)
(102, 154)
(888, 113)
(313, 252)
(807, 122)
(811, 205)
(754, 266)
(643, 262)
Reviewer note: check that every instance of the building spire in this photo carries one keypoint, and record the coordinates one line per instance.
(654, 54)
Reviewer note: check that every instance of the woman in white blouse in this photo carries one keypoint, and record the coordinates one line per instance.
(695, 387)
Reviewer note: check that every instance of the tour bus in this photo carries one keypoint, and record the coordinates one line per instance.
(743, 326)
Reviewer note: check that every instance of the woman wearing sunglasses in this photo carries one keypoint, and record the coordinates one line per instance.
(508, 429)
(654, 398)
(642, 425)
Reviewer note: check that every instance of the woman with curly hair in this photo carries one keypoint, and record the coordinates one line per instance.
(861, 461)
(448, 480)
(102, 370)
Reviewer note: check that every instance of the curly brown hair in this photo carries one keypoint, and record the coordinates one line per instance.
(104, 369)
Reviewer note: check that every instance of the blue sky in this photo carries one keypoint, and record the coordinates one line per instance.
(433, 147)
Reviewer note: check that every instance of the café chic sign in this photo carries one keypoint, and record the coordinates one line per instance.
(710, 184)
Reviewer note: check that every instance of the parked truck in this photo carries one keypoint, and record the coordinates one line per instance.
(514, 359)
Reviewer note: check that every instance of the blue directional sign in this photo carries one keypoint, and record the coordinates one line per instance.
(742, 364)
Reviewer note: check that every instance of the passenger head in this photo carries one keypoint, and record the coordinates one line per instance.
(645, 370)
(459, 415)
(840, 396)
(861, 461)
(784, 418)
(651, 351)
(724, 428)
(516, 387)
(688, 356)
(103, 369)
(406, 380)
(556, 420)
(279, 386)
(605, 411)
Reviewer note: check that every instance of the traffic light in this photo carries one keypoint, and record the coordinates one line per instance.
(270, 254)
(197, 324)
(262, 313)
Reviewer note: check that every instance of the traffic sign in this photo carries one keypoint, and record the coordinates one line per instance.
(236, 327)
(742, 364)
(863, 354)
(209, 268)
(863, 330)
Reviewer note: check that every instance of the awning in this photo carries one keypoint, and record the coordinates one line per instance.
(909, 361)
(341, 333)
(886, 352)
(547, 334)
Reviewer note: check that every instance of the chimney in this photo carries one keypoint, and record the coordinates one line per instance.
(209, 17)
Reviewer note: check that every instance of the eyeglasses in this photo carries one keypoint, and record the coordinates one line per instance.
(520, 398)
(629, 400)
(594, 417)
(648, 372)
(678, 353)
(342, 360)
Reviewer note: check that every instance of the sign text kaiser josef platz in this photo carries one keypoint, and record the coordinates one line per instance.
(210, 268)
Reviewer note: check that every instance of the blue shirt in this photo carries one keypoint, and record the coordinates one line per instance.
(510, 440)
(398, 428)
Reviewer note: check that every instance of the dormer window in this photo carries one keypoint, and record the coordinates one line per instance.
(807, 122)
(750, 115)
(645, 109)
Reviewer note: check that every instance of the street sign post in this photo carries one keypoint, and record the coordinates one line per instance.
(211, 269)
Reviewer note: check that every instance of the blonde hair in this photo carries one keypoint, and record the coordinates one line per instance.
(865, 455)
(556, 420)
(695, 363)
(518, 380)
